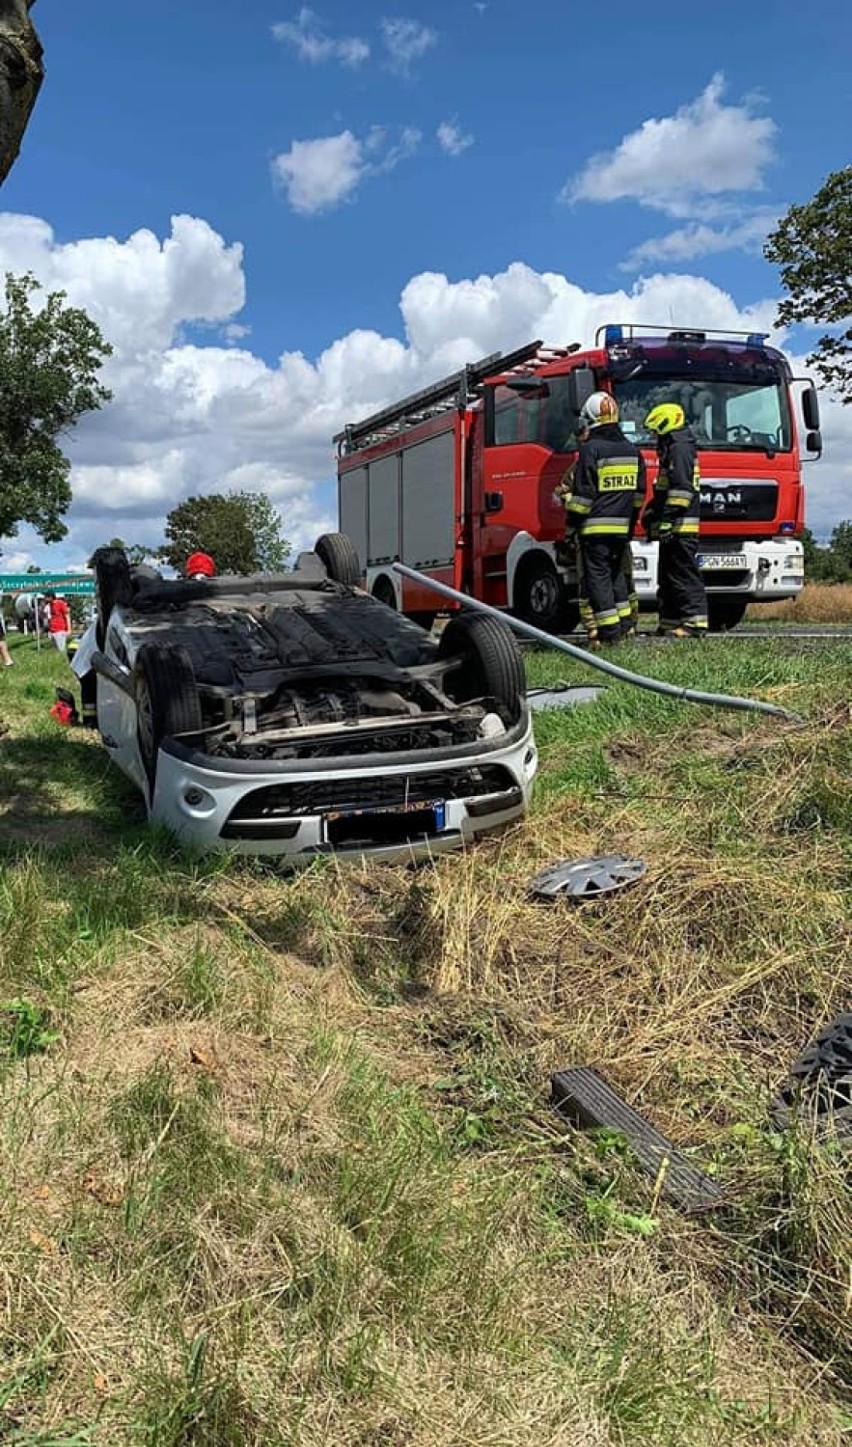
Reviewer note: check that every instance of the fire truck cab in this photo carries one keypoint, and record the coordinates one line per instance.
(458, 480)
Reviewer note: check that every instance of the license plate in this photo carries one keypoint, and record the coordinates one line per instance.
(720, 562)
(439, 811)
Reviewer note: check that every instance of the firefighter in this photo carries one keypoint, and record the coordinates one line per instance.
(672, 518)
(607, 492)
(200, 565)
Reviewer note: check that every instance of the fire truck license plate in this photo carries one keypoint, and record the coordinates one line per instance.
(721, 562)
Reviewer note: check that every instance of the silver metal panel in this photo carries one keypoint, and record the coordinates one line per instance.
(428, 509)
(352, 493)
(384, 510)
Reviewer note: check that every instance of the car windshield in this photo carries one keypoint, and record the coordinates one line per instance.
(726, 415)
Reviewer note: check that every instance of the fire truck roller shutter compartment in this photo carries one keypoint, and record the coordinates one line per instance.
(384, 510)
(428, 513)
(352, 506)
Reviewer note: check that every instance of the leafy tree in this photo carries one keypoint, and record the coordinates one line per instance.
(136, 552)
(812, 244)
(240, 530)
(49, 361)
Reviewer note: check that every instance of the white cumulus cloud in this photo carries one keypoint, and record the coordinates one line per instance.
(706, 149)
(317, 175)
(320, 174)
(452, 139)
(686, 243)
(189, 418)
(406, 41)
(311, 42)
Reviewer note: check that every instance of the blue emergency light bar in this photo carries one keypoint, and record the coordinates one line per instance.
(615, 335)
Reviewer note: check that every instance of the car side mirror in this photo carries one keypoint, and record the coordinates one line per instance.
(810, 409)
(813, 442)
(493, 502)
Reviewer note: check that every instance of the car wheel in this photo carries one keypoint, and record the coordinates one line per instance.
(725, 612)
(339, 557)
(113, 586)
(488, 662)
(384, 592)
(167, 701)
(539, 595)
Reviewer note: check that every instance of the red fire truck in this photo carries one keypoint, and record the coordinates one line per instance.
(457, 480)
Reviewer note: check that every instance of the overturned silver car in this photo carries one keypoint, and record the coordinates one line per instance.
(294, 715)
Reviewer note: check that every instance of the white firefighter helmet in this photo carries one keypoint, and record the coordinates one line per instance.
(598, 409)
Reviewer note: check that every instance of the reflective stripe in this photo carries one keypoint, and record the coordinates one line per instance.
(619, 527)
(624, 611)
(688, 525)
(576, 504)
(699, 621)
(608, 618)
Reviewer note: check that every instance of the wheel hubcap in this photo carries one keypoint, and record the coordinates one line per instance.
(543, 594)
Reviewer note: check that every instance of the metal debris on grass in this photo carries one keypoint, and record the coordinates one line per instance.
(585, 1100)
(818, 1089)
(563, 695)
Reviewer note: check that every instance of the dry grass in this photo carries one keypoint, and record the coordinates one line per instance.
(817, 603)
(289, 1177)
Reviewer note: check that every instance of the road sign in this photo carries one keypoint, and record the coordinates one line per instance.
(77, 584)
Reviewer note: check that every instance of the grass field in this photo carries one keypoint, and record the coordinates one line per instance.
(817, 603)
(276, 1160)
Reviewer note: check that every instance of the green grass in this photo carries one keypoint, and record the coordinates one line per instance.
(276, 1161)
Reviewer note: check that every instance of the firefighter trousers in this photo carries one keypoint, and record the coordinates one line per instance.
(604, 588)
(681, 596)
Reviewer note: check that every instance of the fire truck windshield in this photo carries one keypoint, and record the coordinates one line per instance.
(729, 415)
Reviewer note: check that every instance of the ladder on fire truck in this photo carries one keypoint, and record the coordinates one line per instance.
(455, 391)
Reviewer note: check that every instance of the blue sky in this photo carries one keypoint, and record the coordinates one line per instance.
(331, 160)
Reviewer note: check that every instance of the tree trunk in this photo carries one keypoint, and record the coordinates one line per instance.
(21, 75)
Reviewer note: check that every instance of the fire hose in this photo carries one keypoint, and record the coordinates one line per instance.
(638, 680)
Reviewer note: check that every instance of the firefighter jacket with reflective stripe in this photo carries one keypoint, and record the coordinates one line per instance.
(608, 485)
(677, 491)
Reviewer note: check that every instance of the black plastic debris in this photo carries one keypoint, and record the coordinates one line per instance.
(818, 1090)
(587, 878)
(585, 1100)
(563, 695)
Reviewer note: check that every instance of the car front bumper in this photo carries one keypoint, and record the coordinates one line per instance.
(207, 803)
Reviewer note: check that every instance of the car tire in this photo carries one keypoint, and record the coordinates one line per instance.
(539, 598)
(339, 557)
(489, 662)
(724, 612)
(113, 586)
(167, 701)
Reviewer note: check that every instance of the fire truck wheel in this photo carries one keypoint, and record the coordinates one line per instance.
(538, 594)
(339, 557)
(725, 612)
(384, 592)
(487, 661)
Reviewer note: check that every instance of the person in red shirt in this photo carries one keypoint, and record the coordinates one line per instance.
(58, 620)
